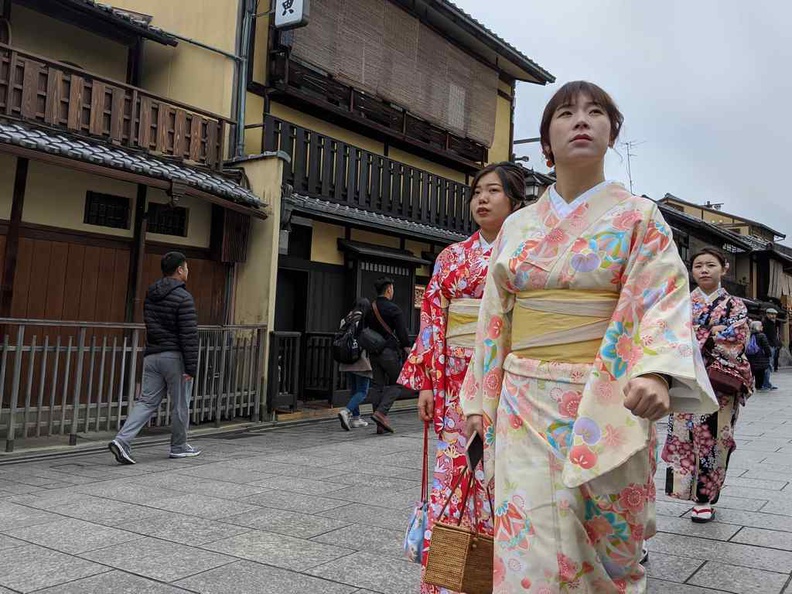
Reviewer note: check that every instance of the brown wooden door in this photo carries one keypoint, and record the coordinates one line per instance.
(206, 283)
(57, 280)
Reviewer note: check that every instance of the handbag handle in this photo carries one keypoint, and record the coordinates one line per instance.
(425, 471)
(472, 485)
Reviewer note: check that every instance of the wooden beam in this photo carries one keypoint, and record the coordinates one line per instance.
(12, 238)
(138, 255)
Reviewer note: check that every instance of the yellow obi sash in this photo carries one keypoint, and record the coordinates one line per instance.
(462, 322)
(564, 325)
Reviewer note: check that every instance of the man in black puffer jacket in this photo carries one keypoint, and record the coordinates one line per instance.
(169, 362)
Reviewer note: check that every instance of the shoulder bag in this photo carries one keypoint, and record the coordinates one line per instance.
(373, 341)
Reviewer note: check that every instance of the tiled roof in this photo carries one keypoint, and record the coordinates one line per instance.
(541, 72)
(141, 24)
(65, 145)
(669, 196)
(343, 213)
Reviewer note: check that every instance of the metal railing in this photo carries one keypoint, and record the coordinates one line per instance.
(68, 377)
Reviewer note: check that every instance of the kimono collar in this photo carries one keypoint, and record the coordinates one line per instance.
(697, 292)
(564, 208)
(485, 245)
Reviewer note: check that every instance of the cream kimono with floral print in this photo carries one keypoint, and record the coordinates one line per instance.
(574, 307)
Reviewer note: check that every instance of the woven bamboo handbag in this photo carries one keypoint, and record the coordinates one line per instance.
(460, 559)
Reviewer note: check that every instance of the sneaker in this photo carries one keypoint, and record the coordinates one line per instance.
(345, 416)
(702, 514)
(186, 452)
(774, 387)
(120, 452)
(358, 423)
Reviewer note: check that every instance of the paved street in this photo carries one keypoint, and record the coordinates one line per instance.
(313, 509)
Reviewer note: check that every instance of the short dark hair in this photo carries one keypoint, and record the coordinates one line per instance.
(567, 95)
(382, 284)
(171, 261)
(512, 178)
(710, 251)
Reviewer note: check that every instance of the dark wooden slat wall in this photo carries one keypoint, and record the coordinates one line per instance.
(327, 168)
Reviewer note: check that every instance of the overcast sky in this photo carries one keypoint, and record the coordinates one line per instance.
(705, 85)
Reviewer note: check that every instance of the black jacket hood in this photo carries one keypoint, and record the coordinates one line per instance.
(162, 288)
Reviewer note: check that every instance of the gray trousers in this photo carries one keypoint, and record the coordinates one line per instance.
(386, 368)
(162, 373)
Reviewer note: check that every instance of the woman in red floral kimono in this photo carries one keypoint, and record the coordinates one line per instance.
(698, 447)
(439, 359)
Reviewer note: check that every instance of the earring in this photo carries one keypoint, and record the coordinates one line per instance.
(549, 162)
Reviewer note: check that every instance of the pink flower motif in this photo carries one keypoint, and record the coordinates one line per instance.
(633, 498)
(637, 532)
(556, 236)
(567, 568)
(628, 351)
(568, 407)
(598, 528)
(605, 392)
(515, 421)
(495, 326)
(614, 436)
(627, 220)
(492, 381)
(581, 455)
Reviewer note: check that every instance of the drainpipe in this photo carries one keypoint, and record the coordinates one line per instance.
(241, 63)
(243, 47)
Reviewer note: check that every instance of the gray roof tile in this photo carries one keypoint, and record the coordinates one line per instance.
(120, 158)
(344, 213)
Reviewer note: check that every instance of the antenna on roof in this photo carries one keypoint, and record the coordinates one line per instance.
(629, 144)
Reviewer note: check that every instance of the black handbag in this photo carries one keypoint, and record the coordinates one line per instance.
(372, 341)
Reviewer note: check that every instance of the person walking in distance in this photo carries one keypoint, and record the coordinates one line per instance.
(770, 330)
(386, 318)
(759, 353)
(170, 360)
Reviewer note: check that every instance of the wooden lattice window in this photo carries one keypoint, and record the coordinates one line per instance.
(167, 220)
(106, 210)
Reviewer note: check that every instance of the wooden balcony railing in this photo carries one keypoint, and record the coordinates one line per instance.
(326, 168)
(51, 93)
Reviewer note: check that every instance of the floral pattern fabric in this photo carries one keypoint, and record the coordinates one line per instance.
(698, 447)
(573, 468)
(459, 273)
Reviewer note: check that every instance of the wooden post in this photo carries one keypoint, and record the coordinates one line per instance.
(12, 239)
(137, 256)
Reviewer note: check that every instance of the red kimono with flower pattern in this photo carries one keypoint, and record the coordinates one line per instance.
(459, 273)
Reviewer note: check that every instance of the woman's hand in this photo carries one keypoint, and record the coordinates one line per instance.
(474, 424)
(647, 397)
(426, 405)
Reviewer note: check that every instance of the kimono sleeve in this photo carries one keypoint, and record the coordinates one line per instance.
(420, 367)
(655, 305)
(650, 331)
(482, 385)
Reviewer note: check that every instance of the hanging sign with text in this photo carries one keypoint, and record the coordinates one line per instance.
(290, 14)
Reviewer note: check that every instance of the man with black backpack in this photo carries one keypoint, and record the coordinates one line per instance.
(386, 320)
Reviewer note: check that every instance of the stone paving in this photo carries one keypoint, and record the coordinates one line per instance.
(314, 509)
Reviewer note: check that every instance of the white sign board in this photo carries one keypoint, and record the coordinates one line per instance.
(290, 14)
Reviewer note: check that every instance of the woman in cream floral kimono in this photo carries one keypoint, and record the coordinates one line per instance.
(584, 340)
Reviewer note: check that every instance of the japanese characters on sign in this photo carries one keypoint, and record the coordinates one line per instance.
(290, 14)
